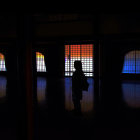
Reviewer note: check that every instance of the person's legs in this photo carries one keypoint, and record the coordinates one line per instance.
(77, 106)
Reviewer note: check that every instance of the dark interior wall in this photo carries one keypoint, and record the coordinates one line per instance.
(73, 24)
(54, 25)
(7, 26)
(108, 24)
(55, 60)
(119, 23)
(63, 29)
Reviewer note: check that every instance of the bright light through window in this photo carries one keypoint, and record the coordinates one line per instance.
(2, 63)
(40, 62)
(132, 62)
(83, 52)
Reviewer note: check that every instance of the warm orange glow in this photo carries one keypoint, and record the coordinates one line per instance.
(1, 56)
(2, 63)
(40, 62)
(39, 55)
(84, 50)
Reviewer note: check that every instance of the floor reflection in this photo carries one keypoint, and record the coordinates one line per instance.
(87, 101)
(3, 82)
(131, 93)
(41, 89)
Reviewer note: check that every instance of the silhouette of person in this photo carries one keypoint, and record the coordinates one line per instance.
(77, 78)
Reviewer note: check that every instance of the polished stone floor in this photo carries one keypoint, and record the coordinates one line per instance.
(64, 124)
(8, 124)
(54, 118)
(86, 103)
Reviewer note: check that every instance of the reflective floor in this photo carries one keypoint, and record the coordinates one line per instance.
(131, 93)
(3, 82)
(86, 103)
(41, 90)
(63, 123)
(8, 125)
(53, 114)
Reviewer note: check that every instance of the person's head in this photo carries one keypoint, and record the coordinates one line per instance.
(78, 65)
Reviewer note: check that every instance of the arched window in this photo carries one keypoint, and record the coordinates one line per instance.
(2, 62)
(83, 52)
(40, 62)
(132, 62)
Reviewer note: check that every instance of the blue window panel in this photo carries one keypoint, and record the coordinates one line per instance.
(132, 62)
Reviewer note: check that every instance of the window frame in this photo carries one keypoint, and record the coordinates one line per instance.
(83, 42)
(130, 76)
(5, 45)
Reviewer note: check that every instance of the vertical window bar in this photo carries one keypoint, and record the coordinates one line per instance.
(135, 61)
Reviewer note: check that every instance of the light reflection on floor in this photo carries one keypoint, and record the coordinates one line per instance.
(41, 89)
(131, 93)
(87, 101)
(3, 82)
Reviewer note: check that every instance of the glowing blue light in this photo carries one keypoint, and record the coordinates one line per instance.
(132, 62)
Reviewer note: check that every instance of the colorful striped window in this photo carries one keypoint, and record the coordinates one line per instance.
(132, 62)
(40, 62)
(83, 52)
(2, 63)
